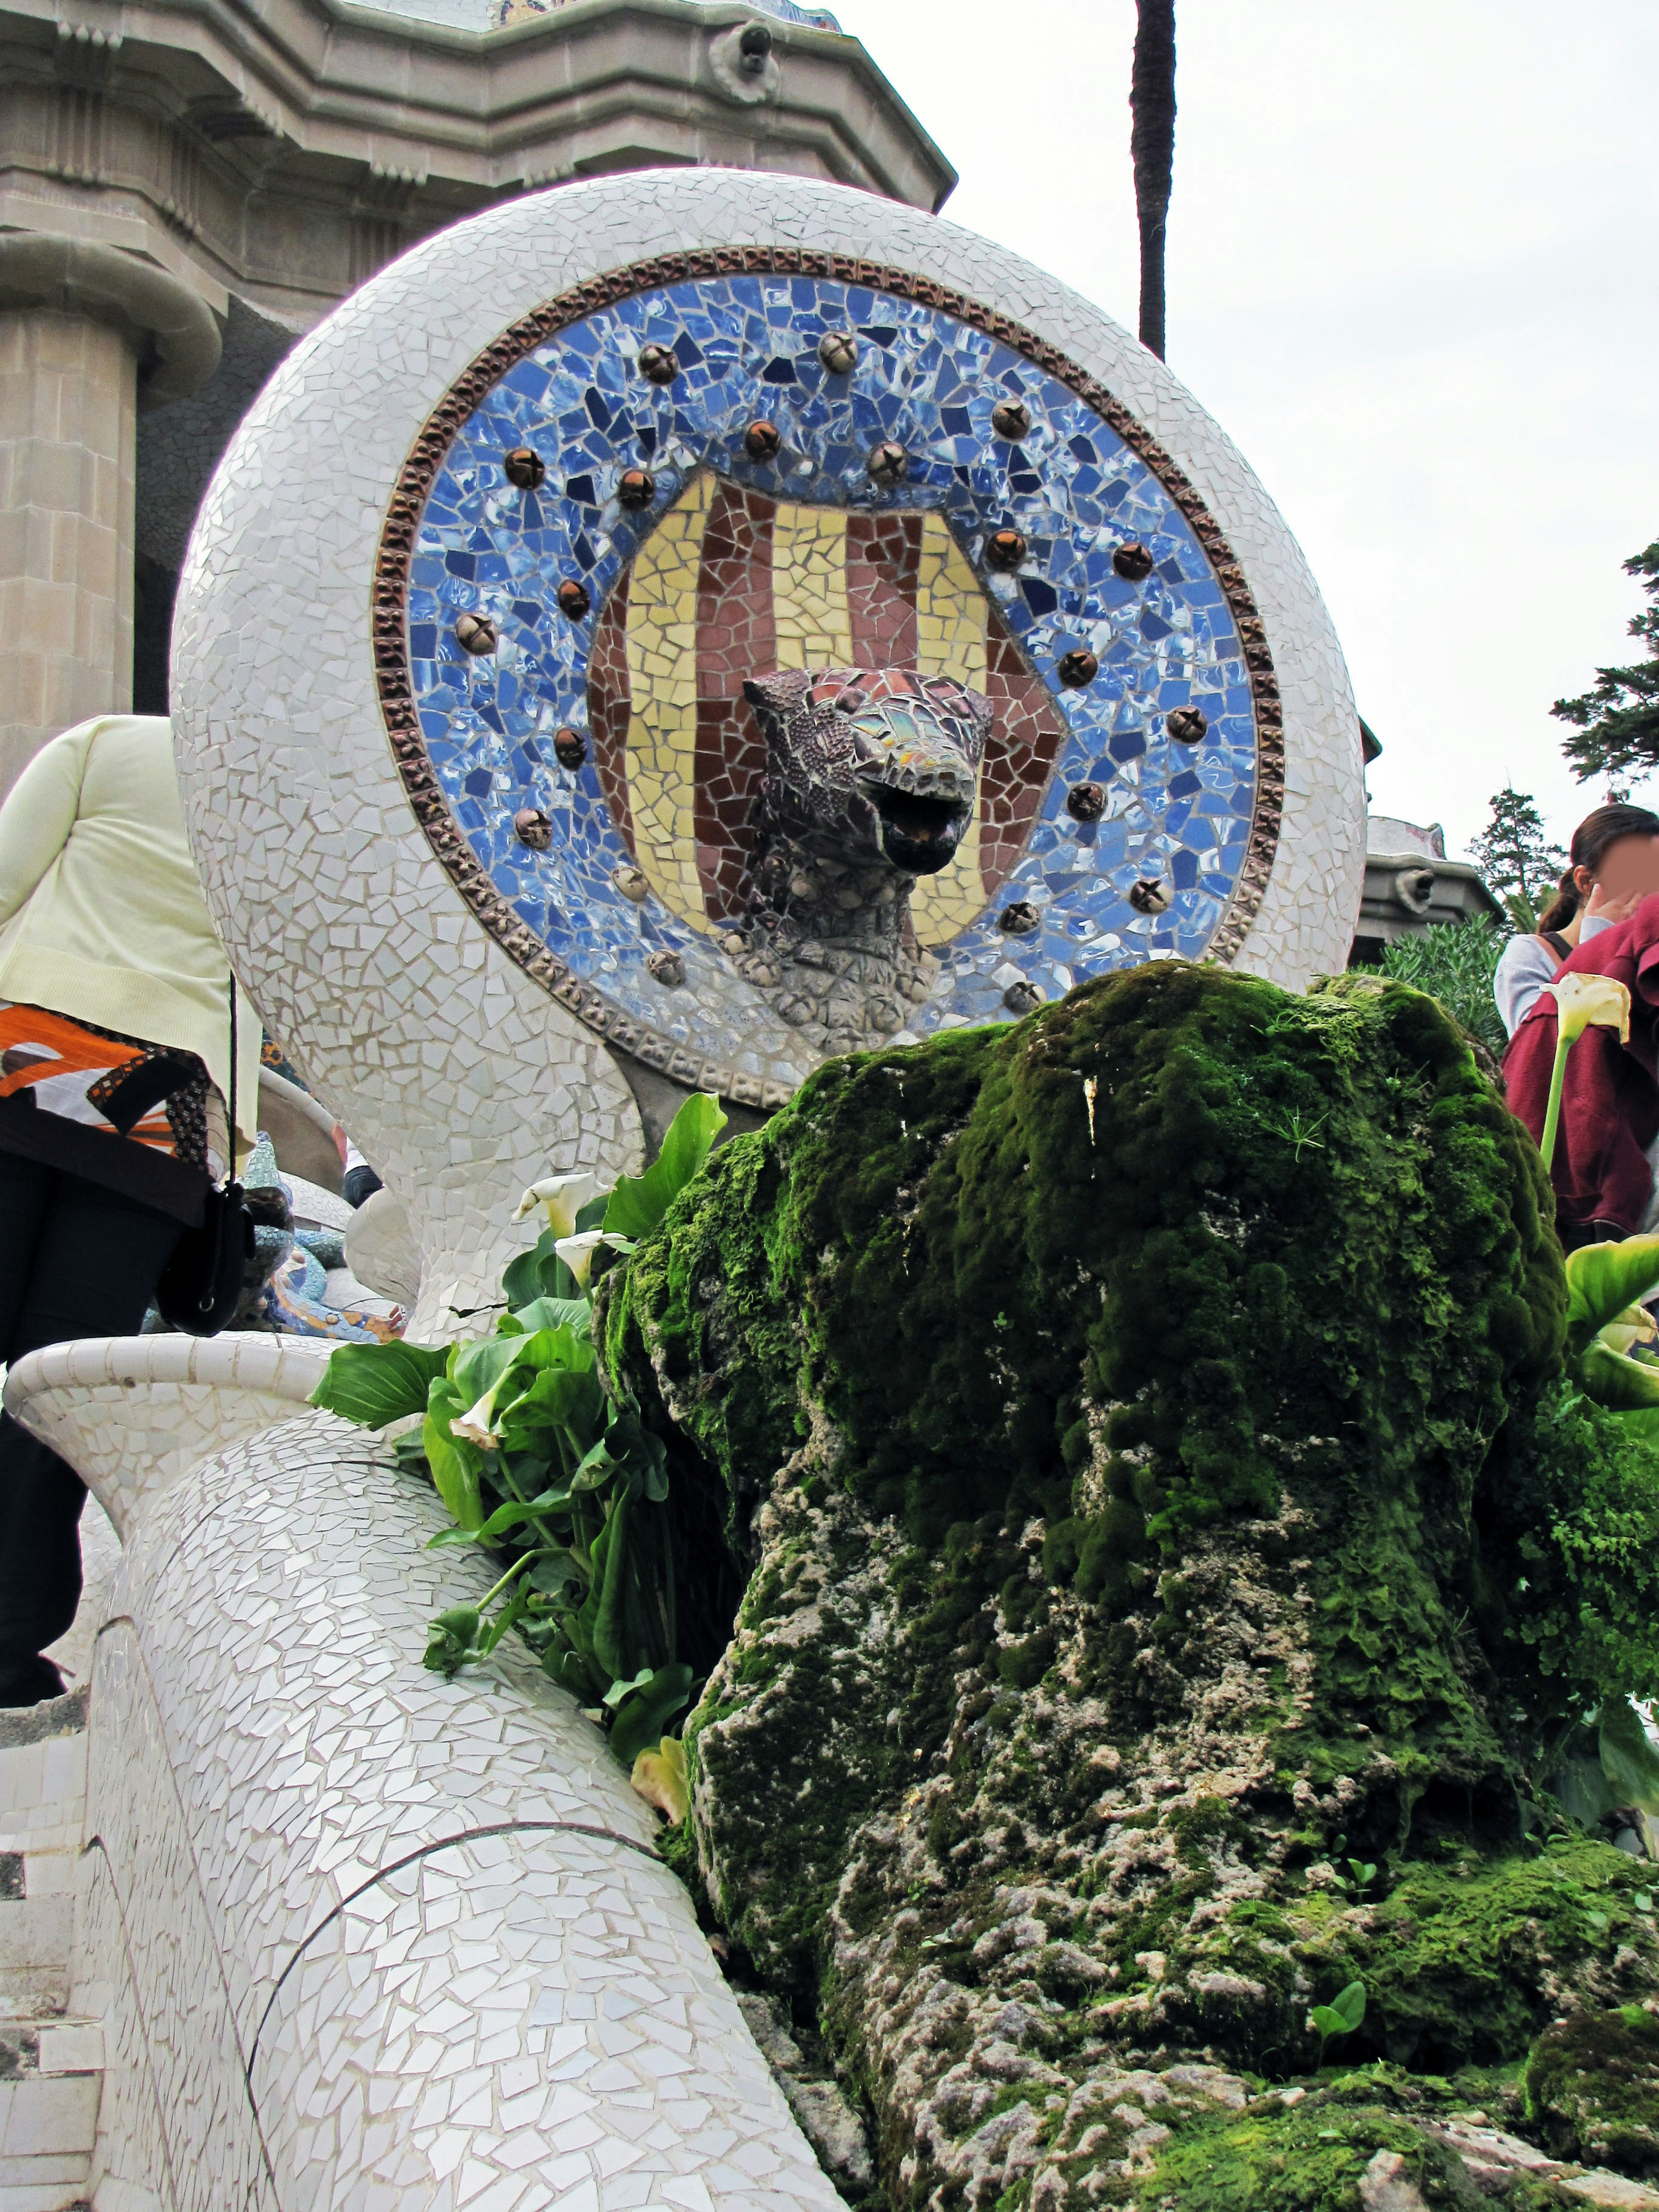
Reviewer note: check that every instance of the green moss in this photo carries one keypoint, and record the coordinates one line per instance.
(1592, 2087)
(1145, 1426)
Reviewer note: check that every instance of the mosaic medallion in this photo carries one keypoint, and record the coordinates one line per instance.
(784, 655)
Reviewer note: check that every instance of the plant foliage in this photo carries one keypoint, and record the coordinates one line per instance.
(1454, 962)
(1617, 723)
(535, 1464)
(1516, 859)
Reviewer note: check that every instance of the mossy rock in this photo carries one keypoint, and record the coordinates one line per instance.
(1171, 1556)
(1593, 2088)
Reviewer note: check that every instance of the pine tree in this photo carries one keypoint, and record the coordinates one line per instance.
(1516, 859)
(1618, 722)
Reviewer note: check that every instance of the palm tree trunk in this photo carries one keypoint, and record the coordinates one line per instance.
(1151, 144)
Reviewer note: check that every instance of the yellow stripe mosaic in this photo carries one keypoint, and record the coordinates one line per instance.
(950, 641)
(662, 677)
(809, 587)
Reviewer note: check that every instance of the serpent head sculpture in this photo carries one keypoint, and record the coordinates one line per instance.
(871, 781)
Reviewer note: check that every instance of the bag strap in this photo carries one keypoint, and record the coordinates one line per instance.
(230, 1165)
(1557, 943)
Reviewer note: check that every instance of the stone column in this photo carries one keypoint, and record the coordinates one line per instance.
(81, 327)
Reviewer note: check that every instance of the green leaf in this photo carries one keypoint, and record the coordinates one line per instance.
(1327, 2020)
(639, 1202)
(1350, 2005)
(503, 1518)
(374, 1383)
(1642, 1423)
(1602, 1280)
(574, 1314)
(451, 1638)
(1620, 1384)
(1628, 1759)
(456, 1466)
(643, 1716)
(614, 1696)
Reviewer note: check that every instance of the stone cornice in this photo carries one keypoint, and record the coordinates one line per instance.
(606, 84)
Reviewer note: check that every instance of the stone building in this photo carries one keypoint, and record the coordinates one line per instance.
(188, 185)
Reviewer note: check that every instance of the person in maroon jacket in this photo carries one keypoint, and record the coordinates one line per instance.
(1605, 1145)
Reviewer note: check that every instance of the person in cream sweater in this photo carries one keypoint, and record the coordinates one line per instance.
(114, 1070)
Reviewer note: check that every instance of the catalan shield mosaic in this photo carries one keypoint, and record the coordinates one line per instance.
(706, 520)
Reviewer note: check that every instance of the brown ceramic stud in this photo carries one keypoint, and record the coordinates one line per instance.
(570, 748)
(531, 827)
(1148, 895)
(762, 441)
(1011, 419)
(1022, 998)
(632, 883)
(1086, 802)
(1018, 917)
(889, 464)
(635, 488)
(839, 352)
(1133, 561)
(667, 968)
(574, 598)
(1004, 550)
(1187, 725)
(1078, 667)
(525, 467)
(659, 364)
(476, 634)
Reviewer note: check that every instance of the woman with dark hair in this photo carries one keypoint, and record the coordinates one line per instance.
(1614, 866)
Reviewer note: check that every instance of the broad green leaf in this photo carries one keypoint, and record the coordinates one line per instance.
(455, 1465)
(1621, 1385)
(614, 1696)
(660, 1777)
(604, 1617)
(1628, 1759)
(645, 1455)
(503, 1518)
(639, 1202)
(374, 1383)
(645, 1713)
(450, 1640)
(482, 1364)
(1643, 1423)
(1350, 2003)
(574, 1314)
(572, 1672)
(1602, 1280)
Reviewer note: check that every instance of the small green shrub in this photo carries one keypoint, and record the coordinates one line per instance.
(1454, 962)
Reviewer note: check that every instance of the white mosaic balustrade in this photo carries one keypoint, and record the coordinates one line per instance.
(461, 1078)
(366, 1939)
(130, 1413)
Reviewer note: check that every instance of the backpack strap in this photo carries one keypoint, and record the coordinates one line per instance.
(1557, 943)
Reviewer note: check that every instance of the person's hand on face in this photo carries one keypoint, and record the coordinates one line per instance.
(1612, 909)
(1628, 872)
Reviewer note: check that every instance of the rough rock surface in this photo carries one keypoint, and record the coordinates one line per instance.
(1172, 1553)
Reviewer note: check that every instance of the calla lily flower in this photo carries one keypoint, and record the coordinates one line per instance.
(474, 1425)
(562, 1197)
(1635, 1326)
(577, 1253)
(1590, 1001)
(1582, 1002)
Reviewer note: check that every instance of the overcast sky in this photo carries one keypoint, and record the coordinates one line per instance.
(1412, 274)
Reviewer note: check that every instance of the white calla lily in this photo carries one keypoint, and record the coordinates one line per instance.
(1582, 1002)
(1633, 1327)
(473, 1425)
(577, 1253)
(561, 1197)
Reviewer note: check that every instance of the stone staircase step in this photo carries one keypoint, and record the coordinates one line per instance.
(51, 2063)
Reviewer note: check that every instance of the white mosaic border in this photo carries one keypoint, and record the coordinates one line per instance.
(458, 1077)
(365, 1939)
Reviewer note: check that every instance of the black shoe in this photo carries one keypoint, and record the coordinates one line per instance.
(30, 1682)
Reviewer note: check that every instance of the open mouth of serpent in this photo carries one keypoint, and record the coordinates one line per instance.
(918, 834)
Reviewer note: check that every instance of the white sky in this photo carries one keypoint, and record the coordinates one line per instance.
(1412, 274)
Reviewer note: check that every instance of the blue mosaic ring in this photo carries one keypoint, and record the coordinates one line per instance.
(561, 658)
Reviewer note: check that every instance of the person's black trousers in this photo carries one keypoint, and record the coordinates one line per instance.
(76, 1260)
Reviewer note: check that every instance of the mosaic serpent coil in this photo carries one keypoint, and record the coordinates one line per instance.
(738, 467)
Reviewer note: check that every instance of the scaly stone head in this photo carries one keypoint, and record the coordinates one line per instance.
(865, 764)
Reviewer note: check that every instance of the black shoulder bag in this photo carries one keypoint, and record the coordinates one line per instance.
(202, 1283)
